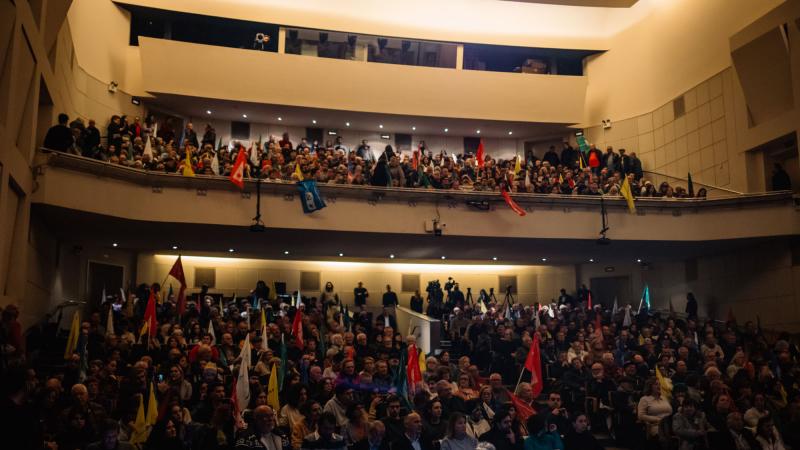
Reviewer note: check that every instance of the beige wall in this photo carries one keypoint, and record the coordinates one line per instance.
(680, 44)
(264, 77)
(763, 283)
(239, 276)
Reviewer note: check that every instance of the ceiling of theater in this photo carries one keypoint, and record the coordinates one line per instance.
(84, 228)
(196, 108)
(595, 3)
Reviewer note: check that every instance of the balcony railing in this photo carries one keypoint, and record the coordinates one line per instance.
(475, 198)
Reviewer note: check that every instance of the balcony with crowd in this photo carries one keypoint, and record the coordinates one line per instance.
(154, 147)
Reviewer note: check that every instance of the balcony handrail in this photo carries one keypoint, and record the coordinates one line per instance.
(378, 193)
(686, 180)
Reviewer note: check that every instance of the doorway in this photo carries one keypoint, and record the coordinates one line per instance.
(606, 289)
(103, 276)
(781, 151)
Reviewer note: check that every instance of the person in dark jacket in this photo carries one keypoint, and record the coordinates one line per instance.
(691, 306)
(501, 435)
(210, 136)
(91, 139)
(375, 439)
(610, 160)
(780, 179)
(412, 436)
(569, 157)
(59, 137)
(324, 438)
(636, 167)
(552, 157)
(580, 436)
(190, 136)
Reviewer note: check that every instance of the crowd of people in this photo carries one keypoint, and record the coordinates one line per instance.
(637, 378)
(565, 171)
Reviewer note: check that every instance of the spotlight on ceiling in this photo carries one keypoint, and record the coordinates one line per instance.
(244, 116)
(286, 252)
(230, 250)
(114, 244)
(280, 119)
(391, 256)
(208, 111)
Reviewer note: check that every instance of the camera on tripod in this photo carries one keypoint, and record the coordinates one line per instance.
(450, 284)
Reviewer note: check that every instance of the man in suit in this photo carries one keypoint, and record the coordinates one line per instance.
(410, 440)
(386, 318)
(389, 298)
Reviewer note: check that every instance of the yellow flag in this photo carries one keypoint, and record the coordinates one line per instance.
(74, 333)
(152, 407)
(625, 191)
(187, 166)
(140, 432)
(665, 384)
(518, 166)
(580, 159)
(423, 365)
(298, 172)
(560, 179)
(263, 319)
(272, 390)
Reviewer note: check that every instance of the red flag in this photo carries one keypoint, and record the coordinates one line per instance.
(479, 155)
(534, 364)
(512, 204)
(589, 304)
(177, 271)
(524, 410)
(150, 314)
(413, 373)
(237, 174)
(415, 159)
(297, 329)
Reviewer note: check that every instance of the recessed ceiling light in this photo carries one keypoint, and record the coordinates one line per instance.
(391, 256)
(208, 111)
(230, 250)
(444, 257)
(314, 121)
(413, 128)
(114, 244)
(478, 131)
(446, 130)
(341, 254)
(638, 260)
(591, 259)
(347, 124)
(544, 259)
(244, 116)
(174, 247)
(280, 118)
(380, 126)
(286, 252)
(494, 258)
(510, 133)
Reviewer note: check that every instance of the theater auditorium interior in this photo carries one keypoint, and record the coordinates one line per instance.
(400, 224)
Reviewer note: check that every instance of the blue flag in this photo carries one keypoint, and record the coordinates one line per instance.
(309, 196)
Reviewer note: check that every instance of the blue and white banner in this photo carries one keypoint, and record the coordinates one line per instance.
(309, 196)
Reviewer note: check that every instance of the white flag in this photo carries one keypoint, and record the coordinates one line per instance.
(264, 340)
(254, 155)
(110, 321)
(211, 332)
(148, 148)
(614, 309)
(243, 379)
(626, 322)
(103, 298)
(215, 164)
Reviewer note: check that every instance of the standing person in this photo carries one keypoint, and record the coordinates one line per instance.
(91, 139)
(416, 303)
(457, 436)
(636, 167)
(190, 136)
(691, 306)
(780, 179)
(389, 298)
(59, 136)
(360, 294)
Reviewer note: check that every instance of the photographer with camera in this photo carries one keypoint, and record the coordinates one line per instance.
(260, 42)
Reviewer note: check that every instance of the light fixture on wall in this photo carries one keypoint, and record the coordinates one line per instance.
(606, 123)
(112, 86)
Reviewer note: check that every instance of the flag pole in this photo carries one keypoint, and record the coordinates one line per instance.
(519, 380)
